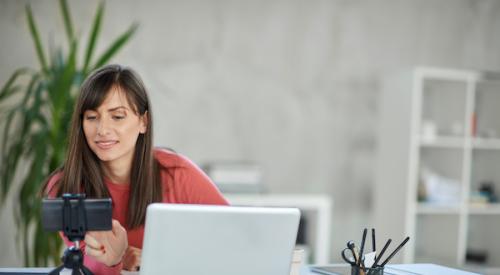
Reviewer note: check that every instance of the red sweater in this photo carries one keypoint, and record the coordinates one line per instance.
(184, 183)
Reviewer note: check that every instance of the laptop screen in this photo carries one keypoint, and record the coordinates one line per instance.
(223, 240)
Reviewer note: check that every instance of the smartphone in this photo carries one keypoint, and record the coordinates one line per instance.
(96, 214)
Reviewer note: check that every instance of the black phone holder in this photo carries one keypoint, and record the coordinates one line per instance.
(74, 223)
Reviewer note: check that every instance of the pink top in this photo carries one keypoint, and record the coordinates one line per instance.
(185, 183)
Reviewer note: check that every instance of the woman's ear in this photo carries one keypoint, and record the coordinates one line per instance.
(144, 123)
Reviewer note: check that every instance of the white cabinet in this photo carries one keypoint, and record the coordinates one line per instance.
(438, 145)
(317, 209)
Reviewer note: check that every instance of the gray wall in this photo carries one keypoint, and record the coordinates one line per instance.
(292, 85)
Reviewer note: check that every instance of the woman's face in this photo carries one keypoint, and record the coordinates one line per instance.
(111, 131)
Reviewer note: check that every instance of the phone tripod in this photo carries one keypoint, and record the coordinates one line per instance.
(72, 259)
(74, 226)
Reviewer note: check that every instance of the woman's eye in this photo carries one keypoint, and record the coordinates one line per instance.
(90, 117)
(118, 117)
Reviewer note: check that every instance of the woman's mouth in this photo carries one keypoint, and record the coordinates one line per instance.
(106, 144)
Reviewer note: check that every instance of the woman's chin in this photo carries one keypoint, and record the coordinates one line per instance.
(106, 157)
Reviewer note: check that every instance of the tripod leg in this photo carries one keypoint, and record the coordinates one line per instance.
(86, 271)
(57, 270)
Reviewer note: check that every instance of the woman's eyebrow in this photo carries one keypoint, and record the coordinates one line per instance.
(116, 108)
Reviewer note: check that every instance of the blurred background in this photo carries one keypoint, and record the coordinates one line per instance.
(288, 92)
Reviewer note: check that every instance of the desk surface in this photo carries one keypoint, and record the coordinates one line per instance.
(407, 269)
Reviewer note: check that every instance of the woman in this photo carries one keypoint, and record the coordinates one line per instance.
(110, 154)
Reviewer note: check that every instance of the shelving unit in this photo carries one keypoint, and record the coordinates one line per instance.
(439, 140)
(490, 209)
(316, 208)
(426, 209)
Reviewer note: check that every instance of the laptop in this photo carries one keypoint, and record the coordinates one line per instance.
(185, 239)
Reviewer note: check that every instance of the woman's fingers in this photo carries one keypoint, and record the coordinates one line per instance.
(118, 229)
(94, 252)
(107, 247)
(132, 258)
(131, 263)
(92, 242)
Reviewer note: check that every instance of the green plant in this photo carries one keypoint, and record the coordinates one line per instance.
(35, 108)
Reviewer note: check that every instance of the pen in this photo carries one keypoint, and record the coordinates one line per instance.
(381, 253)
(361, 260)
(395, 251)
(374, 249)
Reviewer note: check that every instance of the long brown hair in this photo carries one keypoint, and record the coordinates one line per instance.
(82, 172)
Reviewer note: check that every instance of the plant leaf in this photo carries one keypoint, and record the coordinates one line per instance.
(10, 151)
(115, 46)
(7, 89)
(10, 165)
(36, 38)
(66, 77)
(68, 25)
(4, 169)
(24, 231)
(96, 27)
(60, 91)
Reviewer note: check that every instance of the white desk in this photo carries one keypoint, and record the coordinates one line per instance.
(399, 269)
(405, 269)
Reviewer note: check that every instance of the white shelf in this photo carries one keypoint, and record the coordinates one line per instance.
(484, 209)
(486, 143)
(443, 141)
(446, 73)
(460, 142)
(474, 209)
(430, 209)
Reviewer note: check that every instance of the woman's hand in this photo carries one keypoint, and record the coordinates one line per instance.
(132, 259)
(107, 247)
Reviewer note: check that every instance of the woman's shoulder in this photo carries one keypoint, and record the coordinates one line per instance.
(51, 185)
(168, 158)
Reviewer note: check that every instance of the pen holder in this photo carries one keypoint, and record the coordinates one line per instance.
(356, 270)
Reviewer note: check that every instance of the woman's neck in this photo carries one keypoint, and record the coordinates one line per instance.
(117, 171)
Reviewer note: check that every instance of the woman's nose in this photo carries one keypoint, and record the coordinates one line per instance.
(103, 128)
